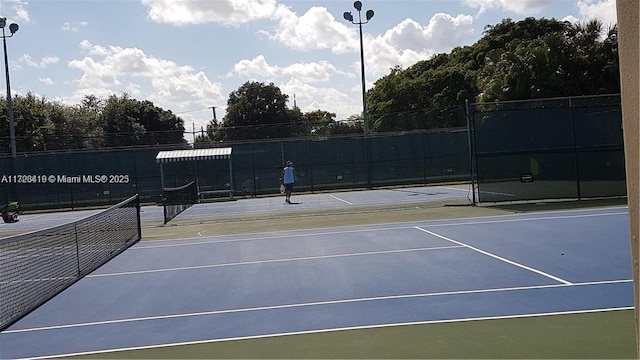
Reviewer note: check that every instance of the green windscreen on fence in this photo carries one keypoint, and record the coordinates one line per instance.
(549, 149)
(522, 150)
(89, 178)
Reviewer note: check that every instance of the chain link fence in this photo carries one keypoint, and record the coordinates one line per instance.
(568, 148)
(564, 148)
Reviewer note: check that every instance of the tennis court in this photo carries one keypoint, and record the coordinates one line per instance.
(309, 201)
(206, 289)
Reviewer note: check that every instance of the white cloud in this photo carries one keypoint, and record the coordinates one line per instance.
(255, 68)
(310, 98)
(42, 63)
(571, 19)
(18, 11)
(404, 44)
(98, 50)
(259, 69)
(380, 56)
(442, 33)
(172, 85)
(523, 7)
(315, 29)
(314, 72)
(73, 26)
(46, 81)
(409, 42)
(604, 10)
(185, 89)
(226, 12)
(95, 74)
(133, 89)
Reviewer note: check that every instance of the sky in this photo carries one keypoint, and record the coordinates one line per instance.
(187, 56)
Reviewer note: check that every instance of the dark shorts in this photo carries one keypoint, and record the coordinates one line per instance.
(288, 187)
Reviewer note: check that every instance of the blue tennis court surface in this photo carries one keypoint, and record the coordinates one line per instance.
(317, 201)
(162, 293)
(329, 200)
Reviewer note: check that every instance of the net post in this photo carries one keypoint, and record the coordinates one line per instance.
(470, 142)
(138, 210)
(77, 242)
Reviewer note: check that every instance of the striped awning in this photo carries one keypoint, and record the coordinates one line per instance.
(191, 155)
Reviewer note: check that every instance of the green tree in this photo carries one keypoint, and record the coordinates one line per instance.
(130, 122)
(568, 61)
(255, 111)
(81, 127)
(32, 121)
(405, 99)
(319, 122)
(324, 123)
(528, 59)
(298, 125)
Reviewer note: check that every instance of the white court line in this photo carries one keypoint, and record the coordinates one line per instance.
(510, 220)
(370, 228)
(290, 234)
(310, 304)
(344, 201)
(496, 256)
(495, 193)
(306, 258)
(32, 216)
(322, 331)
(453, 188)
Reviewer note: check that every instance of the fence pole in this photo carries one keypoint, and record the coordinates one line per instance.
(575, 149)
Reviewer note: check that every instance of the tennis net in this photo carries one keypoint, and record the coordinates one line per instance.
(178, 199)
(36, 266)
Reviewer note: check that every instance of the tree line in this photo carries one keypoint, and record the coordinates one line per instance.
(528, 59)
(43, 125)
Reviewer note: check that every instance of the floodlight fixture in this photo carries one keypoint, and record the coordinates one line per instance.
(12, 28)
(357, 5)
(369, 15)
(347, 16)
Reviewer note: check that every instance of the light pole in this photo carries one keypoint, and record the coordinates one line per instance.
(12, 133)
(365, 123)
(369, 14)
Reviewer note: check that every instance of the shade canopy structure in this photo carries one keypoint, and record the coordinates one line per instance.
(193, 155)
(173, 156)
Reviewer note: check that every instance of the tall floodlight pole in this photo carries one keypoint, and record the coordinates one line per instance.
(368, 15)
(365, 122)
(12, 133)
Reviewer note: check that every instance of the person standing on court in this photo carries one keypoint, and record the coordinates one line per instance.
(288, 179)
